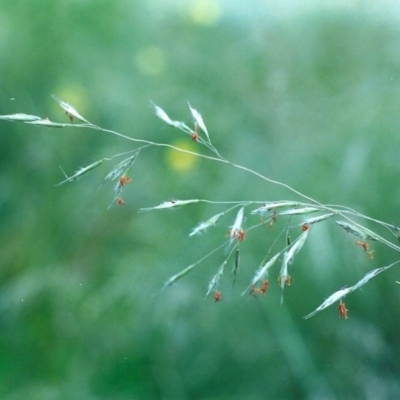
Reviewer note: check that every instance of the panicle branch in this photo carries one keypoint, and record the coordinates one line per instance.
(288, 210)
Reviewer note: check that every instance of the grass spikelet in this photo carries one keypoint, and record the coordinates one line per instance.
(20, 117)
(267, 207)
(199, 121)
(288, 257)
(122, 168)
(314, 220)
(297, 245)
(363, 233)
(299, 211)
(69, 110)
(237, 225)
(343, 292)
(262, 272)
(178, 276)
(80, 172)
(340, 294)
(170, 204)
(49, 124)
(284, 277)
(214, 281)
(121, 171)
(236, 266)
(204, 225)
(367, 277)
(160, 113)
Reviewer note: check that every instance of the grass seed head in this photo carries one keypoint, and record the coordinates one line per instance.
(199, 121)
(300, 211)
(363, 233)
(170, 204)
(340, 294)
(122, 168)
(215, 280)
(262, 272)
(47, 123)
(204, 225)
(160, 113)
(268, 207)
(20, 117)
(69, 110)
(80, 172)
(236, 229)
(320, 218)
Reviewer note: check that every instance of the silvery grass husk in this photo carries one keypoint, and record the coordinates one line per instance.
(160, 113)
(262, 272)
(50, 124)
(311, 221)
(170, 204)
(215, 280)
(297, 245)
(199, 121)
(271, 206)
(340, 294)
(236, 266)
(202, 226)
(122, 168)
(69, 109)
(361, 232)
(288, 257)
(34, 120)
(121, 172)
(300, 211)
(237, 225)
(178, 276)
(20, 117)
(284, 276)
(80, 172)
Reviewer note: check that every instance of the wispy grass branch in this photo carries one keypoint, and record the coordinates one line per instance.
(309, 210)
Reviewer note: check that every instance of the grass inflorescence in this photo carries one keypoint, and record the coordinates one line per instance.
(241, 217)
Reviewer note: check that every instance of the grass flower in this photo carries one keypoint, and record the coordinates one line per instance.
(199, 121)
(80, 172)
(268, 207)
(20, 118)
(171, 204)
(236, 228)
(69, 110)
(205, 225)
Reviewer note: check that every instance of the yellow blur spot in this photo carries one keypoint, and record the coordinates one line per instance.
(205, 12)
(150, 60)
(180, 161)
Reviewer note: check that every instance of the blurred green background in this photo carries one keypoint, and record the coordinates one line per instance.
(304, 93)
